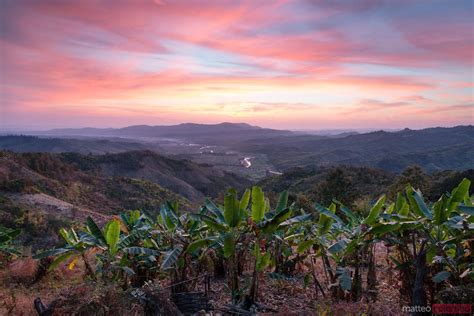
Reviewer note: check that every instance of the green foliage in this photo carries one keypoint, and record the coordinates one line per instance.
(232, 213)
(112, 235)
(171, 257)
(258, 204)
(7, 237)
(443, 229)
(375, 211)
(174, 243)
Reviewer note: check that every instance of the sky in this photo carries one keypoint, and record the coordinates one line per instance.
(280, 64)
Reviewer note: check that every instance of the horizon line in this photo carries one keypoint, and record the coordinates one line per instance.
(337, 129)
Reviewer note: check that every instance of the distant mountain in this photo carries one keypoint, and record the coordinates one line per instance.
(186, 129)
(434, 149)
(222, 133)
(58, 145)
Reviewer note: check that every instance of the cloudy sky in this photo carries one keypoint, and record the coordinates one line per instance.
(281, 64)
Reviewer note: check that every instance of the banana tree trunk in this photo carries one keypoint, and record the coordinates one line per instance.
(317, 285)
(336, 292)
(251, 299)
(219, 265)
(233, 278)
(89, 272)
(419, 294)
(278, 257)
(372, 274)
(357, 282)
(327, 265)
(407, 273)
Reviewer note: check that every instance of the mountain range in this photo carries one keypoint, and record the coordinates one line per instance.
(214, 134)
(433, 149)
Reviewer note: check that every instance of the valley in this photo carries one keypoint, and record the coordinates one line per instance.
(255, 153)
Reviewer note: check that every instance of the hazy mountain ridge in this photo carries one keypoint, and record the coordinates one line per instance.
(185, 130)
(433, 149)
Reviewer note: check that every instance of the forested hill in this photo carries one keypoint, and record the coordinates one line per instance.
(191, 180)
(356, 186)
(434, 149)
(23, 143)
(185, 178)
(44, 191)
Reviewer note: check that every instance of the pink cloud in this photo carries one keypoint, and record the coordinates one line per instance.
(92, 55)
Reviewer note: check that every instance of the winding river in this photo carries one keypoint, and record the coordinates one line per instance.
(246, 162)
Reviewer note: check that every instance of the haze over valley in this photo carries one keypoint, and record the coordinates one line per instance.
(254, 153)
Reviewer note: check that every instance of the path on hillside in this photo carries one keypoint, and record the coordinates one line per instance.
(57, 207)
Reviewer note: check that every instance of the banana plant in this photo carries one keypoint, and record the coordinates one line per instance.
(227, 227)
(269, 227)
(285, 257)
(139, 231)
(264, 223)
(115, 250)
(438, 235)
(76, 247)
(122, 250)
(177, 233)
(248, 226)
(315, 239)
(343, 240)
(7, 235)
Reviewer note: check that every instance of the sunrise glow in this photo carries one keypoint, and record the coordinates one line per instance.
(279, 64)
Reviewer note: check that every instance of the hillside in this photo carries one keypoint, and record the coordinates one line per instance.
(356, 186)
(47, 174)
(363, 180)
(58, 145)
(40, 193)
(191, 180)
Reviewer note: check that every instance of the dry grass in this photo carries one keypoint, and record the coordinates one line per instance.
(69, 293)
(22, 271)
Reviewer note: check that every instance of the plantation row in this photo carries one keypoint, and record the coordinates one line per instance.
(430, 245)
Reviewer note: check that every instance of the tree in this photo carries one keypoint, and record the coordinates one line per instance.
(414, 176)
(337, 185)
